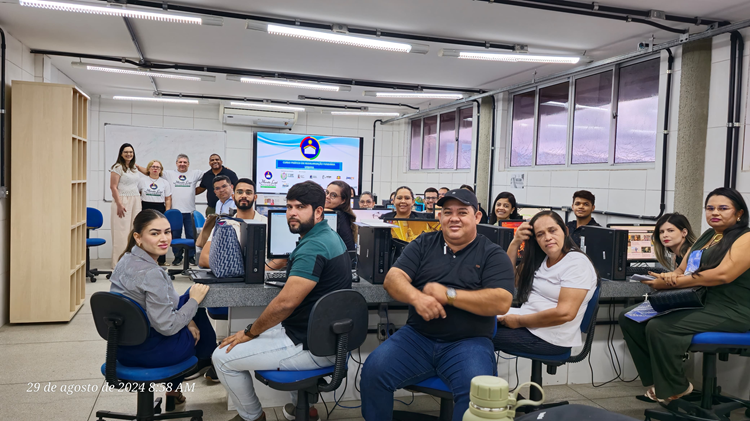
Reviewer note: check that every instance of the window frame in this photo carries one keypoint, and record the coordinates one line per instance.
(615, 68)
(457, 121)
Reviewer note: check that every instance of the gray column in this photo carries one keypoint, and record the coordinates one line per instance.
(484, 148)
(693, 123)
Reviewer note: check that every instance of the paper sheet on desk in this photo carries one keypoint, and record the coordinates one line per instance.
(642, 313)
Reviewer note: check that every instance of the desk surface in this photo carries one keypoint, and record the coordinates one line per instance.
(255, 295)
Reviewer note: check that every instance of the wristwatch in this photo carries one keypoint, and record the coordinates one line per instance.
(247, 332)
(450, 293)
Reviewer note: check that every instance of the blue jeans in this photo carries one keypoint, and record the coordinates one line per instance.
(407, 358)
(189, 224)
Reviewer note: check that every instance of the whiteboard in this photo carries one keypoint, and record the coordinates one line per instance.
(161, 144)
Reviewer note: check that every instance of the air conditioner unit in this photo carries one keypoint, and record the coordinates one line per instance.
(258, 118)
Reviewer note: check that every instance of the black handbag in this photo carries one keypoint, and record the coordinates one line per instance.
(667, 300)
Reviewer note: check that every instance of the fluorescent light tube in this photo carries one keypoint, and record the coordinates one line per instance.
(142, 72)
(431, 95)
(267, 106)
(288, 84)
(122, 10)
(365, 113)
(337, 38)
(156, 99)
(510, 57)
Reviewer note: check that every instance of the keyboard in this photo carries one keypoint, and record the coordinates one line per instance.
(280, 276)
(643, 270)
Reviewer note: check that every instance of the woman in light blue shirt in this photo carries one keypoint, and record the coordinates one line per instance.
(179, 329)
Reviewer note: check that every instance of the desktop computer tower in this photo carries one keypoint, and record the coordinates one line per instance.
(373, 253)
(501, 236)
(255, 251)
(607, 249)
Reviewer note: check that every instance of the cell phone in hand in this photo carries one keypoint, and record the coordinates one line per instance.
(639, 278)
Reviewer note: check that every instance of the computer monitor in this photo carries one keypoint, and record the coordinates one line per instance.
(607, 248)
(640, 248)
(499, 235)
(263, 209)
(367, 214)
(514, 223)
(281, 241)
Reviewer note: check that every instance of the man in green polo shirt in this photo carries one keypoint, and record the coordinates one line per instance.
(278, 339)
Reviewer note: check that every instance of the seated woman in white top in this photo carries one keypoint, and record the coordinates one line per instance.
(554, 282)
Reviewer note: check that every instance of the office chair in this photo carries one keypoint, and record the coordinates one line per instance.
(199, 220)
(123, 322)
(338, 324)
(709, 403)
(94, 221)
(175, 221)
(588, 324)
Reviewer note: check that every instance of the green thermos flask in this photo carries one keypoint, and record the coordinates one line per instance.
(490, 399)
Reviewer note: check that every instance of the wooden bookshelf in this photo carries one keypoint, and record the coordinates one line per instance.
(49, 153)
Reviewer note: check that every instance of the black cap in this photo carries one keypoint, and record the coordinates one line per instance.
(464, 196)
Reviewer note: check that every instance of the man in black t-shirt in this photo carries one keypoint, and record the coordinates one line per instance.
(207, 182)
(583, 205)
(456, 282)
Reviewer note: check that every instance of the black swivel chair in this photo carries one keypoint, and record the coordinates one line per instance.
(338, 324)
(122, 322)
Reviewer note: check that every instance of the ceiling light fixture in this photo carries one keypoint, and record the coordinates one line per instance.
(289, 84)
(142, 72)
(339, 37)
(112, 9)
(511, 57)
(429, 95)
(156, 99)
(266, 106)
(366, 113)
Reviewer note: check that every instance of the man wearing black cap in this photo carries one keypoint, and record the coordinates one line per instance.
(455, 282)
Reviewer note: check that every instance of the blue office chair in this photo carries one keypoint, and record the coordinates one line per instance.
(199, 220)
(709, 403)
(588, 324)
(175, 221)
(123, 322)
(94, 221)
(338, 324)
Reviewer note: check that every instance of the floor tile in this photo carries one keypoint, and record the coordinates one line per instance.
(556, 393)
(80, 328)
(629, 406)
(18, 403)
(56, 361)
(611, 390)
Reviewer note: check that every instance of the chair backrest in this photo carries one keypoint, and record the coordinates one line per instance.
(175, 219)
(330, 313)
(588, 324)
(128, 316)
(198, 219)
(94, 218)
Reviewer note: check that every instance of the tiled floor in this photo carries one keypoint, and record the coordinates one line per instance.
(66, 355)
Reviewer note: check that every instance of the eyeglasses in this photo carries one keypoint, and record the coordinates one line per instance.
(720, 208)
(247, 192)
(154, 167)
(332, 195)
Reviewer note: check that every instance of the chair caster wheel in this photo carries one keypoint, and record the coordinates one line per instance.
(93, 280)
(109, 275)
(196, 419)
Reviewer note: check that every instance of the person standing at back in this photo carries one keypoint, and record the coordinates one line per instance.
(126, 199)
(184, 184)
(207, 182)
(583, 206)
(156, 193)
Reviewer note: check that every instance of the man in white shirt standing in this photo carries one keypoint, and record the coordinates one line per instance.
(223, 189)
(184, 184)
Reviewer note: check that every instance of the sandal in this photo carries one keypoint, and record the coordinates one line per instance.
(675, 397)
(651, 394)
(174, 398)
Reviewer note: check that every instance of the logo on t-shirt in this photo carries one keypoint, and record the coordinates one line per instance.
(310, 147)
(153, 186)
(268, 175)
(182, 178)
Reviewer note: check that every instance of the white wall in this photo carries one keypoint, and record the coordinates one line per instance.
(20, 65)
(239, 153)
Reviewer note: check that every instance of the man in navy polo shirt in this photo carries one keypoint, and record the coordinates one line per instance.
(456, 282)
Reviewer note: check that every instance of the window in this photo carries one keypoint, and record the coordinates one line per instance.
(592, 118)
(613, 119)
(443, 141)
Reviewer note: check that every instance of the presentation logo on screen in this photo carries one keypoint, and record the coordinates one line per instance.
(268, 175)
(310, 147)
(283, 176)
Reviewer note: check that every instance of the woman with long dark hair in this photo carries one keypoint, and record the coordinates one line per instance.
(338, 198)
(126, 199)
(673, 236)
(720, 261)
(554, 283)
(179, 329)
(503, 208)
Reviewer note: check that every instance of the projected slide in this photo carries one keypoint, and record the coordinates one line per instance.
(283, 160)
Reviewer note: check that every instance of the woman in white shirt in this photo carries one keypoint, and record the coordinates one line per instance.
(555, 282)
(156, 193)
(126, 203)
